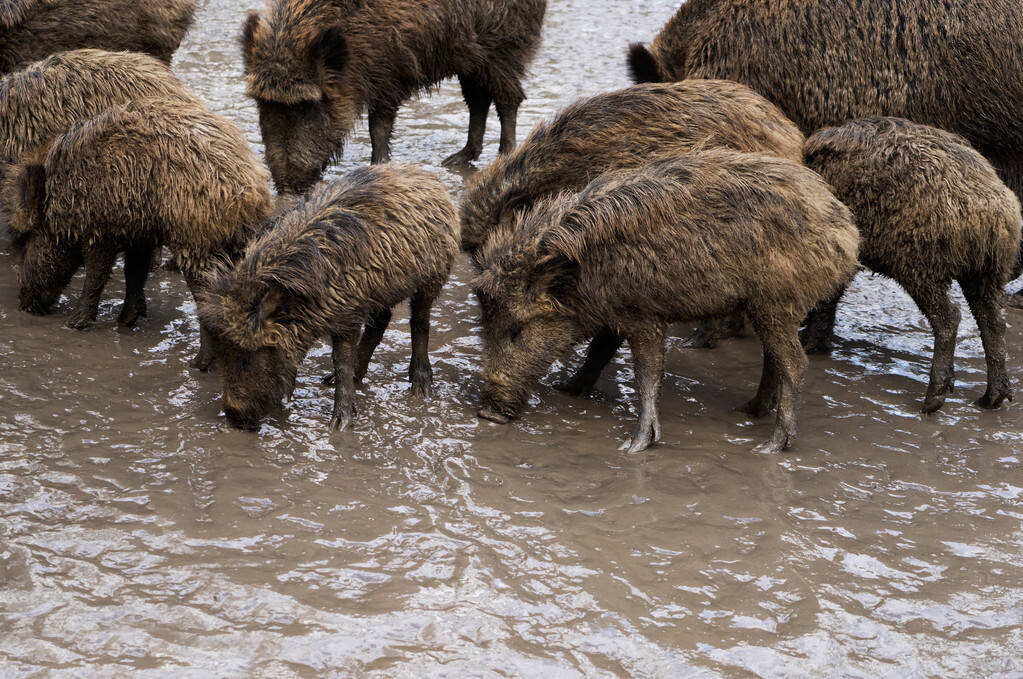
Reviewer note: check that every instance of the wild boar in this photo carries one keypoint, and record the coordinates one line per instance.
(33, 29)
(930, 210)
(314, 66)
(148, 172)
(953, 65)
(702, 235)
(334, 266)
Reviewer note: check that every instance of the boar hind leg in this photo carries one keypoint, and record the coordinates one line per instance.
(820, 326)
(944, 318)
(781, 343)
(381, 124)
(99, 260)
(506, 100)
(371, 336)
(137, 263)
(648, 355)
(419, 372)
(710, 330)
(602, 349)
(478, 99)
(983, 296)
(343, 356)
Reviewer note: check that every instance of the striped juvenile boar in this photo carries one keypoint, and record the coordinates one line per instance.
(314, 66)
(703, 235)
(151, 171)
(33, 29)
(930, 210)
(333, 266)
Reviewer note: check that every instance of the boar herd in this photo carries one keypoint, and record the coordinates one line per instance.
(767, 152)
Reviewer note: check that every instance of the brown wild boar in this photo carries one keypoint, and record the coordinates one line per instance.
(314, 66)
(619, 130)
(33, 29)
(332, 266)
(151, 171)
(703, 235)
(930, 210)
(953, 65)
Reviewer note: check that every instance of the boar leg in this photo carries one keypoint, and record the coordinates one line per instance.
(602, 349)
(478, 99)
(768, 392)
(820, 326)
(781, 342)
(419, 372)
(983, 296)
(371, 336)
(506, 101)
(99, 260)
(137, 262)
(710, 330)
(343, 356)
(647, 347)
(381, 124)
(944, 318)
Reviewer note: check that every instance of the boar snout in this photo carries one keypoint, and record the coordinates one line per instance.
(488, 414)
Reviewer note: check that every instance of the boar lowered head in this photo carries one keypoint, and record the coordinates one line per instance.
(298, 72)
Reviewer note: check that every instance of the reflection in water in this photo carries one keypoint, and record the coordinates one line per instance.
(141, 536)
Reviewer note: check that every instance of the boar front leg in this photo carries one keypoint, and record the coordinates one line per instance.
(343, 356)
(506, 101)
(99, 260)
(419, 372)
(381, 124)
(137, 262)
(478, 99)
(602, 349)
(781, 342)
(371, 336)
(647, 346)
(816, 337)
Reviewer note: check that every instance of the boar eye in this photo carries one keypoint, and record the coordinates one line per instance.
(514, 333)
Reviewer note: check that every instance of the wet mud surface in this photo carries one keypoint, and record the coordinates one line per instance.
(141, 536)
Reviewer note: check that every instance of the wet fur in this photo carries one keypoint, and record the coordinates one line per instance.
(930, 210)
(617, 130)
(703, 235)
(350, 251)
(33, 29)
(350, 57)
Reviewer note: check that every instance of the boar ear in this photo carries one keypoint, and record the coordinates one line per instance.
(642, 65)
(24, 195)
(554, 279)
(269, 315)
(329, 50)
(248, 33)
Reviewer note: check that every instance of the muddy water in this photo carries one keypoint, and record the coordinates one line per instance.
(142, 537)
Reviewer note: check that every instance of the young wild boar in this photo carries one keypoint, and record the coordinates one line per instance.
(340, 260)
(953, 65)
(703, 235)
(151, 171)
(315, 66)
(33, 29)
(930, 209)
(619, 130)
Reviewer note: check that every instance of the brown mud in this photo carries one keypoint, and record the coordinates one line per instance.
(141, 536)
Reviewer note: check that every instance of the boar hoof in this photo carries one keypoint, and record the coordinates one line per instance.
(573, 388)
(488, 414)
(202, 362)
(1015, 300)
(779, 442)
(703, 337)
(460, 159)
(327, 379)
(341, 418)
(131, 314)
(79, 320)
(993, 400)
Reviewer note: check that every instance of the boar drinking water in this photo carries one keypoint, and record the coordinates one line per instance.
(349, 252)
(33, 29)
(151, 171)
(315, 66)
(930, 210)
(703, 235)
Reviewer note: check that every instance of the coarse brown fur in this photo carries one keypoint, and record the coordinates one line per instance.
(703, 235)
(315, 66)
(151, 171)
(618, 130)
(342, 258)
(953, 65)
(33, 29)
(930, 210)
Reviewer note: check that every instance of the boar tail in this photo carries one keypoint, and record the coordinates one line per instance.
(23, 195)
(643, 66)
